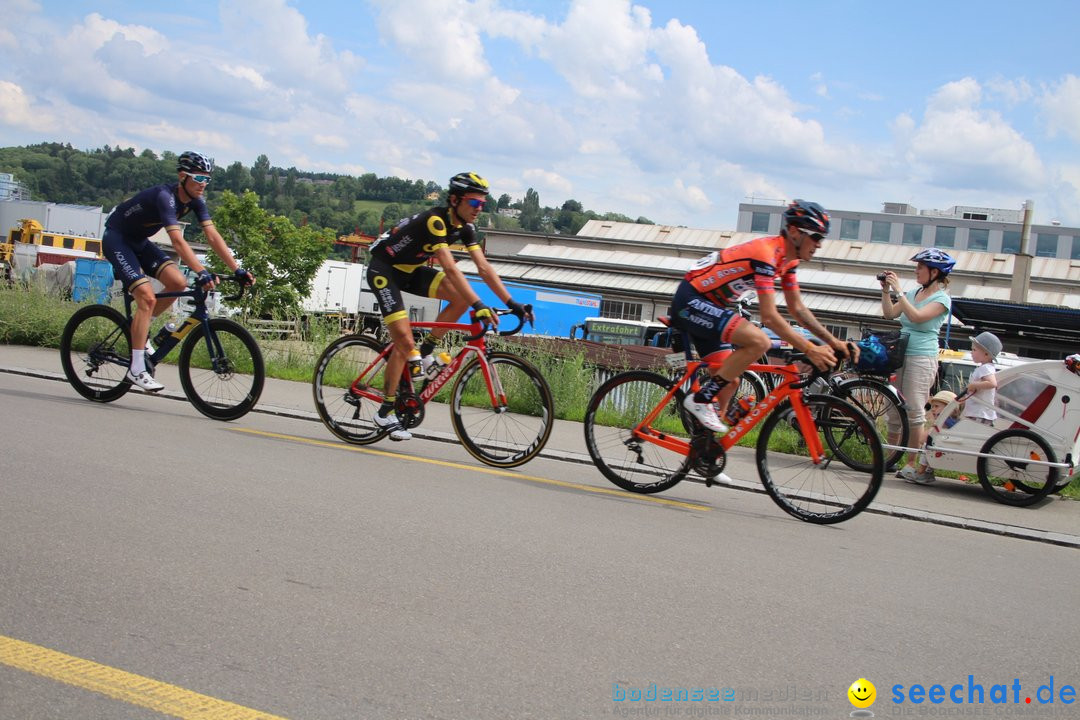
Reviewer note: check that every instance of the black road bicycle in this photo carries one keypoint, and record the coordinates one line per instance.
(221, 366)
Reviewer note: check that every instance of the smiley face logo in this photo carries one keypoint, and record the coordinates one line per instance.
(862, 693)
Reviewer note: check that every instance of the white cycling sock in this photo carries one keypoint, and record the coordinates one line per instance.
(138, 362)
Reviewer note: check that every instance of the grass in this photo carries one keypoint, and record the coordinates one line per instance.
(31, 316)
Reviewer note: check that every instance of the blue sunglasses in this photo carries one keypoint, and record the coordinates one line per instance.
(201, 179)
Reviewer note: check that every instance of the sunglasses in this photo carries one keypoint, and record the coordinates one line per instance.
(476, 203)
(816, 237)
(201, 179)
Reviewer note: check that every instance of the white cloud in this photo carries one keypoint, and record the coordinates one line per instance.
(17, 110)
(1061, 108)
(693, 196)
(547, 181)
(960, 144)
(439, 37)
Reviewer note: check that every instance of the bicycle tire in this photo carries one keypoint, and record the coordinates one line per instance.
(502, 436)
(345, 414)
(95, 352)
(879, 404)
(223, 387)
(827, 492)
(1016, 483)
(630, 463)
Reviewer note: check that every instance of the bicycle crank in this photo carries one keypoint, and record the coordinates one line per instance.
(707, 457)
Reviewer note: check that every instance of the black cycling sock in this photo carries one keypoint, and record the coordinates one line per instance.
(428, 346)
(709, 389)
(387, 406)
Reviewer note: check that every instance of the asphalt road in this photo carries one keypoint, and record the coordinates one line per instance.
(263, 563)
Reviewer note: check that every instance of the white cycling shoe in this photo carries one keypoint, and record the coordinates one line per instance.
(145, 381)
(705, 414)
(391, 424)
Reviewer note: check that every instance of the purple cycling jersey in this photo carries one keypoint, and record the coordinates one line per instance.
(150, 210)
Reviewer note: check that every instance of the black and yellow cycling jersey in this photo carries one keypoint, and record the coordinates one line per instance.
(414, 240)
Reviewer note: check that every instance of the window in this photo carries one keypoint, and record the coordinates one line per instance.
(840, 332)
(976, 216)
(978, 239)
(945, 237)
(1010, 241)
(849, 229)
(912, 234)
(1046, 246)
(879, 231)
(620, 310)
(759, 222)
(1076, 247)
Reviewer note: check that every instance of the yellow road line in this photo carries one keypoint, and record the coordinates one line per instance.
(489, 471)
(124, 686)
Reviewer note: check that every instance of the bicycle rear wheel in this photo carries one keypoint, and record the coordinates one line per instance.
(95, 351)
(632, 463)
(881, 406)
(830, 491)
(1005, 476)
(349, 359)
(222, 379)
(502, 435)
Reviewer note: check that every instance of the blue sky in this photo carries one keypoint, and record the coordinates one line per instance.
(671, 109)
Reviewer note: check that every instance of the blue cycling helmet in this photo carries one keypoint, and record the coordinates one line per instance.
(194, 163)
(937, 259)
(808, 216)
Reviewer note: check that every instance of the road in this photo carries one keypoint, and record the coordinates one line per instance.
(265, 564)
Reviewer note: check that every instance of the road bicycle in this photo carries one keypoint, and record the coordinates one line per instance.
(818, 456)
(500, 404)
(220, 364)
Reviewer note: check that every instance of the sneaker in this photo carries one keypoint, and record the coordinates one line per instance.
(391, 424)
(144, 381)
(906, 473)
(922, 478)
(705, 414)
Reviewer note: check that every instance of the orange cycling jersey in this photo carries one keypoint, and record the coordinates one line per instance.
(726, 275)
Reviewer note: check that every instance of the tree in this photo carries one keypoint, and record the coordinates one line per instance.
(530, 211)
(283, 257)
(504, 202)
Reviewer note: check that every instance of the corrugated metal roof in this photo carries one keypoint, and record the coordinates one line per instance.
(607, 258)
(586, 279)
(659, 234)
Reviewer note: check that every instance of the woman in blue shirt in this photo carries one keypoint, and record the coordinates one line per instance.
(922, 312)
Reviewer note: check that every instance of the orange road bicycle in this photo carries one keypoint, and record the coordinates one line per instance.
(500, 404)
(818, 456)
(220, 364)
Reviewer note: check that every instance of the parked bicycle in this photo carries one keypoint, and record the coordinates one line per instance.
(818, 456)
(500, 404)
(220, 364)
(879, 400)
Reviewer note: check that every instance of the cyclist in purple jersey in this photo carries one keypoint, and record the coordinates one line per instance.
(135, 258)
(398, 263)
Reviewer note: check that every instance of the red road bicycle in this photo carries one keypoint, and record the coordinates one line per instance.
(500, 404)
(818, 456)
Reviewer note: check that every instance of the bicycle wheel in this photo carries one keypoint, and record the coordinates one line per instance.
(751, 387)
(95, 350)
(225, 383)
(502, 435)
(879, 404)
(350, 359)
(828, 491)
(1010, 480)
(630, 462)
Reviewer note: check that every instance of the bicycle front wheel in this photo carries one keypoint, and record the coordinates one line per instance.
(95, 351)
(348, 362)
(224, 378)
(830, 490)
(882, 407)
(630, 462)
(507, 431)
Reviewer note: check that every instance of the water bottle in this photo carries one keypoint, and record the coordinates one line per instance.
(438, 362)
(738, 410)
(416, 367)
(166, 330)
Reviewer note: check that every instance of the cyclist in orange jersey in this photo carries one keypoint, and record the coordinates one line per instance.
(706, 306)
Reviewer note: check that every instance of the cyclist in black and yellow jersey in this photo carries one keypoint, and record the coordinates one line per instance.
(399, 263)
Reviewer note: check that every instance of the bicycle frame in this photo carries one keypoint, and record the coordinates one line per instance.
(474, 344)
(198, 316)
(790, 388)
